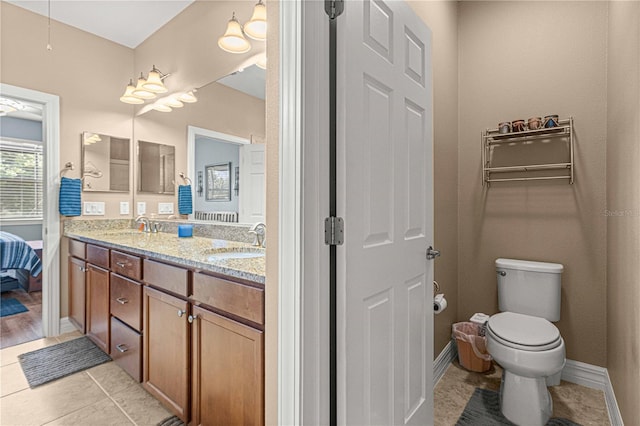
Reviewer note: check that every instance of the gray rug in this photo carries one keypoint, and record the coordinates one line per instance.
(53, 362)
(483, 409)
(171, 421)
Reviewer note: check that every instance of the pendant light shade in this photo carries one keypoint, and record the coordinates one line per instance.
(172, 102)
(154, 82)
(128, 97)
(141, 92)
(256, 28)
(233, 40)
(161, 107)
(188, 97)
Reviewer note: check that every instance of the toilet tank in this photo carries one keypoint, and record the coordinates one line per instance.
(530, 288)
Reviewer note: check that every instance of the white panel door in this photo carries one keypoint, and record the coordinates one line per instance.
(385, 195)
(252, 183)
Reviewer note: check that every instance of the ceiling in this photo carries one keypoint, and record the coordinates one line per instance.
(115, 20)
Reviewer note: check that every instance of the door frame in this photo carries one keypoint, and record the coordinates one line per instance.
(303, 317)
(51, 220)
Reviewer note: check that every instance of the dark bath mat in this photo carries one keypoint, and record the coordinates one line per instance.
(483, 409)
(54, 362)
(171, 421)
(11, 306)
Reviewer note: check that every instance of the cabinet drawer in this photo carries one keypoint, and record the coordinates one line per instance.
(234, 298)
(77, 249)
(126, 301)
(126, 264)
(126, 348)
(167, 277)
(98, 255)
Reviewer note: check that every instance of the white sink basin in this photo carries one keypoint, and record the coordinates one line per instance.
(233, 253)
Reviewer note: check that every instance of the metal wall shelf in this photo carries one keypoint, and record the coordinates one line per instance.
(492, 138)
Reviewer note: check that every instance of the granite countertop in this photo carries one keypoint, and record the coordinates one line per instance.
(207, 254)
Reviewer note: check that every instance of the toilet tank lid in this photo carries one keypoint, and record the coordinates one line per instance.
(528, 265)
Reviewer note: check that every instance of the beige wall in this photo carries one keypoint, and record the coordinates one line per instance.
(272, 172)
(442, 19)
(623, 203)
(517, 60)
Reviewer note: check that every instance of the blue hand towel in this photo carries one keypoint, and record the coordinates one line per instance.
(185, 204)
(69, 201)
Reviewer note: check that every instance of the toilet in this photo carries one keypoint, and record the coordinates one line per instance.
(523, 340)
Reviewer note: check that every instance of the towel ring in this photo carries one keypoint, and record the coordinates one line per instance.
(184, 178)
(68, 166)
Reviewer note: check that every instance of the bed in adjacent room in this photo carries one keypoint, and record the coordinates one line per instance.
(18, 255)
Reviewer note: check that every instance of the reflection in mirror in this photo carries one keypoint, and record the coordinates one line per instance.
(218, 182)
(156, 168)
(105, 163)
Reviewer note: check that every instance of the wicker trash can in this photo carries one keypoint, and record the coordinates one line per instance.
(472, 347)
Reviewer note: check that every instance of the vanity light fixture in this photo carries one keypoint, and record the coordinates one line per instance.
(141, 92)
(171, 101)
(154, 81)
(129, 97)
(256, 28)
(233, 40)
(188, 97)
(161, 107)
(262, 61)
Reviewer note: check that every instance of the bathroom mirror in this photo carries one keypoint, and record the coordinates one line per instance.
(105, 163)
(218, 179)
(156, 168)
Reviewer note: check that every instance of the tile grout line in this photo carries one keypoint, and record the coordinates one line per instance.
(112, 400)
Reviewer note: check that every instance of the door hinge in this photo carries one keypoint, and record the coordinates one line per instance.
(333, 8)
(334, 231)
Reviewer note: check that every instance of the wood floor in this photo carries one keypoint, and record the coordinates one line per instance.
(23, 327)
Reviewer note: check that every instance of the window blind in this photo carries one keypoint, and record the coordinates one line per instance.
(21, 180)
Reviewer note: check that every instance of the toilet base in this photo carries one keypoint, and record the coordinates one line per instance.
(525, 400)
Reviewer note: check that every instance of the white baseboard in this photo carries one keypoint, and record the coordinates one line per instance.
(576, 372)
(443, 360)
(594, 377)
(66, 326)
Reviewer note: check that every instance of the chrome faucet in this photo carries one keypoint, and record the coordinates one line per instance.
(145, 221)
(259, 230)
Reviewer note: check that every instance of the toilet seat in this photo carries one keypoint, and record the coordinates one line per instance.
(523, 332)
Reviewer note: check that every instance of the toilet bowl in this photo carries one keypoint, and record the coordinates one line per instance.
(530, 350)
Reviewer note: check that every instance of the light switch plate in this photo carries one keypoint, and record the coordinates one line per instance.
(165, 208)
(142, 208)
(124, 207)
(93, 208)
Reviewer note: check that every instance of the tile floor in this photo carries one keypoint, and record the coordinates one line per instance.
(103, 395)
(577, 403)
(106, 395)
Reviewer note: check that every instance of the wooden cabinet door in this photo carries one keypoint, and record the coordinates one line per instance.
(228, 371)
(166, 350)
(77, 300)
(98, 324)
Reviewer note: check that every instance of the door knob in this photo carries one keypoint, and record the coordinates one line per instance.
(432, 253)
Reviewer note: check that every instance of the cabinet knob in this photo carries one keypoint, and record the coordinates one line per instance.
(122, 300)
(192, 318)
(122, 348)
(82, 269)
(121, 264)
(181, 313)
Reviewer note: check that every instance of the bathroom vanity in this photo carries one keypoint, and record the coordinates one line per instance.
(185, 316)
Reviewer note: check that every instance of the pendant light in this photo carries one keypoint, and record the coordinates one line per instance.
(172, 102)
(161, 107)
(256, 28)
(188, 97)
(141, 92)
(154, 82)
(233, 40)
(128, 97)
